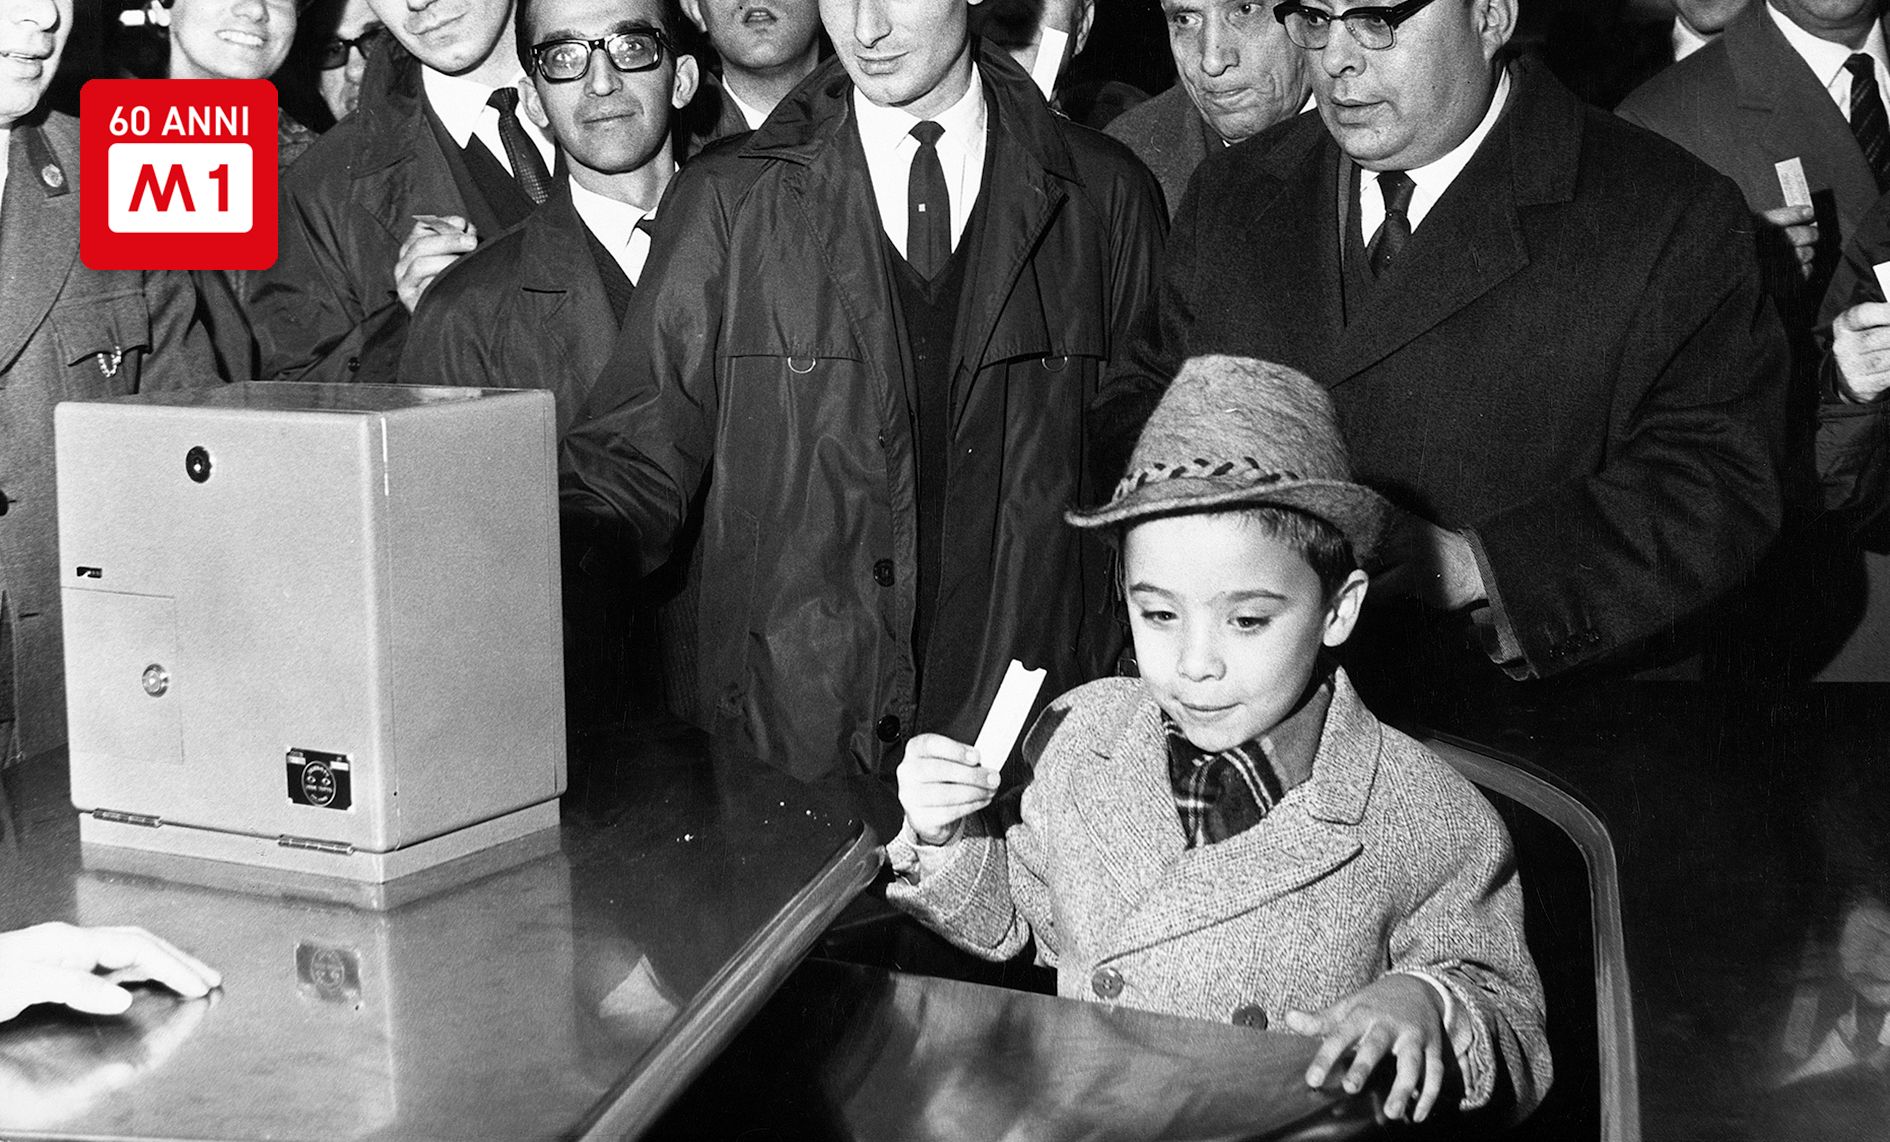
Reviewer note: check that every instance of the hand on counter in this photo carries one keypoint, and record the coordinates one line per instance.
(82, 968)
(940, 784)
(1399, 1014)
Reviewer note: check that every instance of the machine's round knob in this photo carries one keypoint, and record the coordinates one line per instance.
(197, 464)
(156, 680)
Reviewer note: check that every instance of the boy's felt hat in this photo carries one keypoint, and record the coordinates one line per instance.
(1233, 432)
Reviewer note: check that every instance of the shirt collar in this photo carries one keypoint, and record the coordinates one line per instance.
(458, 101)
(1439, 173)
(1826, 58)
(885, 128)
(1289, 747)
(611, 220)
(753, 116)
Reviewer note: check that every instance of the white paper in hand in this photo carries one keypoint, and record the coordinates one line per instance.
(1882, 270)
(1008, 711)
(1791, 180)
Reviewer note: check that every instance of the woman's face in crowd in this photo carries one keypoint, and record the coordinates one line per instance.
(230, 39)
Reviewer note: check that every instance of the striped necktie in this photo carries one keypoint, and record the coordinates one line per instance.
(1868, 121)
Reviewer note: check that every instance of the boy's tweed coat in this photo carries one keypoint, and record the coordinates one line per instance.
(1385, 859)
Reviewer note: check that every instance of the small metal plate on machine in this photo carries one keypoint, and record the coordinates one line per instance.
(319, 779)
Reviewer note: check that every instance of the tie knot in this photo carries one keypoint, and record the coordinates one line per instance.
(505, 99)
(1862, 66)
(1396, 186)
(928, 133)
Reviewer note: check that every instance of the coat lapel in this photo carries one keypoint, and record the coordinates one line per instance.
(562, 291)
(1296, 196)
(1311, 833)
(39, 236)
(1128, 807)
(1472, 238)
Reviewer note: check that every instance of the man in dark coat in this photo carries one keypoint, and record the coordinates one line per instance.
(425, 169)
(1236, 74)
(764, 48)
(1780, 84)
(1553, 350)
(878, 360)
(66, 333)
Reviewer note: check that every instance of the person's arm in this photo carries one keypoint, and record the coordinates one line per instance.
(1150, 268)
(1852, 443)
(328, 310)
(1464, 940)
(81, 968)
(1687, 497)
(644, 442)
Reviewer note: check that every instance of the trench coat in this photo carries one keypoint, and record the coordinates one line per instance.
(768, 376)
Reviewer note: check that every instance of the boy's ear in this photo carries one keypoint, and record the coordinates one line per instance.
(1342, 611)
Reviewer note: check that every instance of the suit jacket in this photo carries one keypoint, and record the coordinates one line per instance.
(1747, 101)
(769, 376)
(1384, 859)
(328, 310)
(1572, 357)
(1171, 138)
(525, 310)
(66, 333)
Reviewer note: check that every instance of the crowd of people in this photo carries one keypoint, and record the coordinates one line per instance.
(845, 306)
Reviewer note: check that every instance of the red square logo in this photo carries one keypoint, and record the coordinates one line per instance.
(177, 174)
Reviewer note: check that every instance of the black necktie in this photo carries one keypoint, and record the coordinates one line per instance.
(1396, 229)
(928, 205)
(1867, 118)
(528, 166)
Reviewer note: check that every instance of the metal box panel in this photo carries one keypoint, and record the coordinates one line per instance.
(362, 572)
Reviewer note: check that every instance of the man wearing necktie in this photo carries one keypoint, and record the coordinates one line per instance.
(538, 307)
(1541, 343)
(883, 317)
(435, 159)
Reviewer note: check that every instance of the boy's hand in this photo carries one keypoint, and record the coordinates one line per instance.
(940, 783)
(1400, 1014)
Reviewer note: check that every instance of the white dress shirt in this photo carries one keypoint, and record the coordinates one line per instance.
(614, 223)
(1432, 179)
(1826, 59)
(753, 116)
(886, 136)
(6, 150)
(1048, 63)
(461, 105)
(1686, 40)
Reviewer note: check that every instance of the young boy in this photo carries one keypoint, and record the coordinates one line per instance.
(1233, 835)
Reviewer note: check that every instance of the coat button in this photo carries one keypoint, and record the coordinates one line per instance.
(1252, 1015)
(1106, 983)
(4, 502)
(887, 729)
(883, 573)
(354, 364)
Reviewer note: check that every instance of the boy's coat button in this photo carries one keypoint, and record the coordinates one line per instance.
(1106, 983)
(1252, 1015)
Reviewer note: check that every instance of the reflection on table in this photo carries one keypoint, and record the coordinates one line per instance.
(848, 1052)
(565, 983)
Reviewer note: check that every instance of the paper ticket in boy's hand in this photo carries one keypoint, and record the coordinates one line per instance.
(1008, 711)
(1791, 181)
(1882, 270)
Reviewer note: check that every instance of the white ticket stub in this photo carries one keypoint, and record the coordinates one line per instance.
(1882, 270)
(1791, 180)
(1008, 711)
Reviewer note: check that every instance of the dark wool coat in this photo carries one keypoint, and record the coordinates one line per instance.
(1572, 356)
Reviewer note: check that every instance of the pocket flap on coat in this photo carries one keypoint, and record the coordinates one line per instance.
(108, 326)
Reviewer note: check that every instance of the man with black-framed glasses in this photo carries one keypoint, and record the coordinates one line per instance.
(539, 306)
(1541, 342)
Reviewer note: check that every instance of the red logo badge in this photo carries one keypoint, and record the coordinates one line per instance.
(178, 174)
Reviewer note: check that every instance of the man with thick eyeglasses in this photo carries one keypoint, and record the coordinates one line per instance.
(1541, 343)
(434, 160)
(539, 306)
(882, 320)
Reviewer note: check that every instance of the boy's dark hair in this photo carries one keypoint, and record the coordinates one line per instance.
(1323, 546)
(670, 21)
